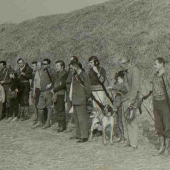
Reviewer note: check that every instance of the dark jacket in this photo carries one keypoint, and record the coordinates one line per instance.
(60, 82)
(81, 92)
(28, 74)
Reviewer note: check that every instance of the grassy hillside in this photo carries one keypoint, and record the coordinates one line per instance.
(138, 29)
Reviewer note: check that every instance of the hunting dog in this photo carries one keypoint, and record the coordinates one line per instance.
(107, 120)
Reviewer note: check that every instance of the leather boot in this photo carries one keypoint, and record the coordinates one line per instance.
(167, 147)
(47, 124)
(162, 146)
(40, 120)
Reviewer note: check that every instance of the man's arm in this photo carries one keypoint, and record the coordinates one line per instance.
(87, 85)
(102, 75)
(3, 93)
(62, 84)
(135, 86)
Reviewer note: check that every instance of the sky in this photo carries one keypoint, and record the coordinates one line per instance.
(15, 11)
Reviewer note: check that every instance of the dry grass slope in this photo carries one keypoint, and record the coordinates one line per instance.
(138, 29)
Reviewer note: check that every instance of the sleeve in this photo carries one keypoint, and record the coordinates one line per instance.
(87, 85)
(53, 74)
(3, 94)
(69, 80)
(102, 75)
(132, 94)
(62, 84)
(28, 73)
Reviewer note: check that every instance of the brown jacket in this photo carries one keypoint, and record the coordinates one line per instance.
(81, 92)
(132, 81)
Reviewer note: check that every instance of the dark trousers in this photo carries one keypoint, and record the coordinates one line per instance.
(162, 117)
(24, 94)
(81, 121)
(119, 125)
(1, 109)
(59, 107)
(14, 107)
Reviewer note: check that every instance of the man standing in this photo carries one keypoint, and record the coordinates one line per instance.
(59, 94)
(161, 105)
(97, 76)
(68, 84)
(35, 87)
(132, 83)
(47, 77)
(79, 92)
(5, 82)
(24, 74)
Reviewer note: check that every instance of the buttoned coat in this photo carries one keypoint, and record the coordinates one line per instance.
(81, 91)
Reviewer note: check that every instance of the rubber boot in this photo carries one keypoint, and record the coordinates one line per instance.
(162, 146)
(47, 124)
(35, 115)
(22, 116)
(167, 147)
(26, 113)
(40, 119)
(62, 126)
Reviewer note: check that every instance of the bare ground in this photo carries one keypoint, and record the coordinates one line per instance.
(22, 148)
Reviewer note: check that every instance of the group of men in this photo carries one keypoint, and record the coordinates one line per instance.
(56, 91)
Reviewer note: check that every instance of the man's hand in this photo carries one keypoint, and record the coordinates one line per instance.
(48, 86)
(23, 74)
(52, 91)
(2, 82)
(95, 69)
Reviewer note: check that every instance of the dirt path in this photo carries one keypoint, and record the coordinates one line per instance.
(22, 148)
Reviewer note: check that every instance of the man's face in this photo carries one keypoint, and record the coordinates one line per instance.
(45, 64)
(1, 66)
(157, 66)
(58, 67)
(34, 67)
(73, 68)
(91, 63)
(39, 66)
(71, 59)
(120, 80)
(21, 63)
(123, 65)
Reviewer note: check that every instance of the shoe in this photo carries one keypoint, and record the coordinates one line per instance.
(125, 144)
(117, 140)
(92, 116)
(39, 124)
(82, 140)
(9, 119)
(14, 119)
(61, 129)
(47, 125)
(134, 147)
(74, 137)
